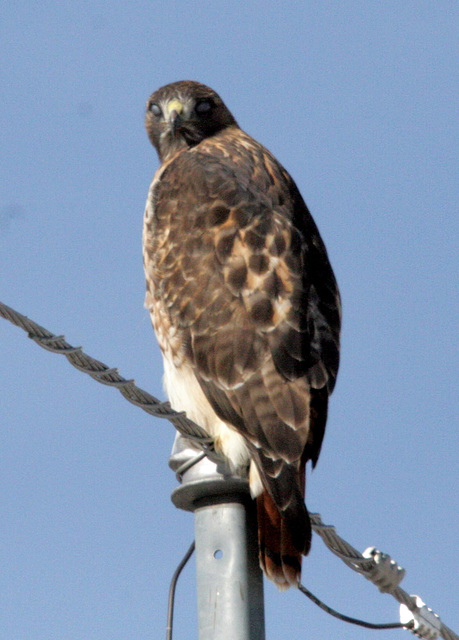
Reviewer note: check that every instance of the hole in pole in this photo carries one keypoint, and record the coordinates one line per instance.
(218, 554)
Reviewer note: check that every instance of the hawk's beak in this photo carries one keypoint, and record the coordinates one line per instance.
(174, 111)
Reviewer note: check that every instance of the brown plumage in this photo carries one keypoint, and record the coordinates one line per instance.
(244, 305)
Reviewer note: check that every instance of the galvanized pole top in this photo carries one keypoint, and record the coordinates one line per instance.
(229, 579)
(203, 479)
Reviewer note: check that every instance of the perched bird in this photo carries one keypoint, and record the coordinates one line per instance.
(245, 307)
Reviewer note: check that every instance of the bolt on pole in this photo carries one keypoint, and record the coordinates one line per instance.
(229, 579)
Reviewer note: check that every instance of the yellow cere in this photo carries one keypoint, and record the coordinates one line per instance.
(175, 105)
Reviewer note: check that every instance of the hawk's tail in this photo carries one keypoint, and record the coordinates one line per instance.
(283, 540)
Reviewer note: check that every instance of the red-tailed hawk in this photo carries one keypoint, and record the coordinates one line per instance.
(245, 307)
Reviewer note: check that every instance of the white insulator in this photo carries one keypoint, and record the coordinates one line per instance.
(386, 573)
(423, 622)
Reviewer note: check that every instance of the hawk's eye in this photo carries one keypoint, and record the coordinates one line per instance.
(155, 109)
(203, 107)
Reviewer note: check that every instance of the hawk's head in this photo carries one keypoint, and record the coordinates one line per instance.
(181, 114)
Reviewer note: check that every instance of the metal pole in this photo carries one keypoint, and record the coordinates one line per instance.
(229, 579)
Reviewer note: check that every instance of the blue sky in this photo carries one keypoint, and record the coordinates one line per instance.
(357, 99)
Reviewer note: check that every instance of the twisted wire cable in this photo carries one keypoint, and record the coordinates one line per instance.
(108, 376)
(367, 567)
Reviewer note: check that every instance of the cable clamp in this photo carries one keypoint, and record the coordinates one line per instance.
(423, 622)
(386, 574)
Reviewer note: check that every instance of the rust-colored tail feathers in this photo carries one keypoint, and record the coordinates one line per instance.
(283, 540)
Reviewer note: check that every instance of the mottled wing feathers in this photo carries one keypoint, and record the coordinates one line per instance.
(238, 278)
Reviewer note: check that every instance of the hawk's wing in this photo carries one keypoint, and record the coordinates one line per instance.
(250, 297)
